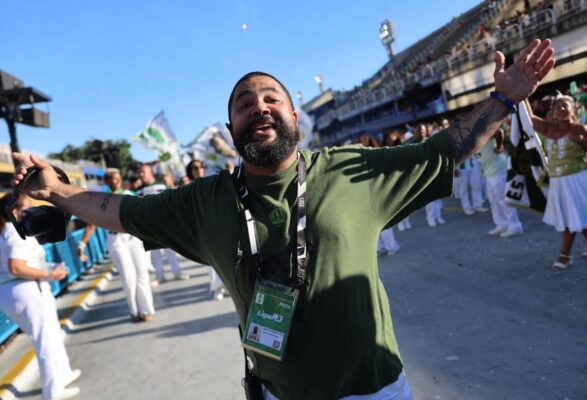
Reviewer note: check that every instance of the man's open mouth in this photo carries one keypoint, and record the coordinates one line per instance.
(261, 128)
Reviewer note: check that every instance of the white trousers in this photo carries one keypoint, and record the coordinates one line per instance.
(128, 255)
(398, 390)
(404, 224)
(158, 262)
(215, 281)
(434, 211)
(33, 308)
(471, 189)
(504, 216)
(387, 241)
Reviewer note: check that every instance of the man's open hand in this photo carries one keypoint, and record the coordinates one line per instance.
(521, 79)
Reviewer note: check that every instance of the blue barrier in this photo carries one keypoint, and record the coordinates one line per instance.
(66, 252)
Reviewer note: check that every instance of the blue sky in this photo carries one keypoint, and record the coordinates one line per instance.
(109, 66)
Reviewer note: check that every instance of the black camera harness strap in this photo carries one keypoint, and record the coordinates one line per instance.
(301, 247)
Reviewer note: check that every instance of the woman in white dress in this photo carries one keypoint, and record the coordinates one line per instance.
(25, 296)
(565, 146)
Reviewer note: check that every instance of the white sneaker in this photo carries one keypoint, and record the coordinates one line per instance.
(181, 277)
(511, 232)
(440, 221)
(468, 213)
(496, 231)
(482, 209)
(401, 227)
(431, 224)
(75, 374)
(154, 283)
(66, 393)
(218, 294)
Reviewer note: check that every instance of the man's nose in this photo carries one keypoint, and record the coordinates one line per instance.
(261, 107)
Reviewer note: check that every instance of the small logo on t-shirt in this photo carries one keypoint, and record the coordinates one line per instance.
(277, 216)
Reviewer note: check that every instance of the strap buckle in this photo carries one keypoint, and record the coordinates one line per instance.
(302, 251)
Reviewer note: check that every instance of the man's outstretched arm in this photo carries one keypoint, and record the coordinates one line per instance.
(516, 83)
(94, 207)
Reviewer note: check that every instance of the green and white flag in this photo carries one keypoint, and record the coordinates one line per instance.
(158, 136)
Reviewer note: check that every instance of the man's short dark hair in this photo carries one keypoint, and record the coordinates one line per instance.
(250, 75)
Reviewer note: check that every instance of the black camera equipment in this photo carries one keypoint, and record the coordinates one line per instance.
(47, 223)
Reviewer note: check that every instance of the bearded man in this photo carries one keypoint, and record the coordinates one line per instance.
(293, 234)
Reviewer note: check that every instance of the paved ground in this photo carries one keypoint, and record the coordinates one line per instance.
(476, 318)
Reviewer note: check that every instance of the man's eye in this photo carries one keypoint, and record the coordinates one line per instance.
(244, 106)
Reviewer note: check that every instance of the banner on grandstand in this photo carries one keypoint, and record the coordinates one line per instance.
(526, 179)
(157, 135)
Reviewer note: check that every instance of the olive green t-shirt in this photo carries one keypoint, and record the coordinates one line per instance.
(342, 340)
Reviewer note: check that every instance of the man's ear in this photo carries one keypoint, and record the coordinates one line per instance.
(295, 116)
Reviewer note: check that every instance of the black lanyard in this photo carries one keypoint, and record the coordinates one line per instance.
(301, 248)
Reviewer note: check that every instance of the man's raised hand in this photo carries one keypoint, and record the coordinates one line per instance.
(521, 79)
(41, 187)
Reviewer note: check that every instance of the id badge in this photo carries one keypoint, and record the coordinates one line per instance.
(269, 320)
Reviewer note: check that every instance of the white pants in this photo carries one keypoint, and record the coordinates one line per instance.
(473, 180)
(398, 390)
(434, 211)
(215, 281)
(387, 241)
(34, 309)
(404, 224)
(128, 255)
(504, 216)
(158, 262)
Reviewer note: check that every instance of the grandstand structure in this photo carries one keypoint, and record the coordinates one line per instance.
(451, 69)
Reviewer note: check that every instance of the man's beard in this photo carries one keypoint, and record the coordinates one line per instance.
(262, 154)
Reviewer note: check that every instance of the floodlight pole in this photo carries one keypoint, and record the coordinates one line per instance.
(13, 95)
(10, 121)
(14, 147)
(8, 115)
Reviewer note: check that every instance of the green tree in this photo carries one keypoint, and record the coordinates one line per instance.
(115, 154)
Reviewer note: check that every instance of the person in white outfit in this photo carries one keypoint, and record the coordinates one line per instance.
(129, 258)
(434, 208)
(193, 170)
(152, 186)
(566, 148)
(494, 164)
(25, 296)
(392, 139)
(434, 213)
(387, 245)
(470, 187)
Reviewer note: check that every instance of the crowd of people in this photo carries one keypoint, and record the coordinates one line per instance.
(560, 120)
(26, 297)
